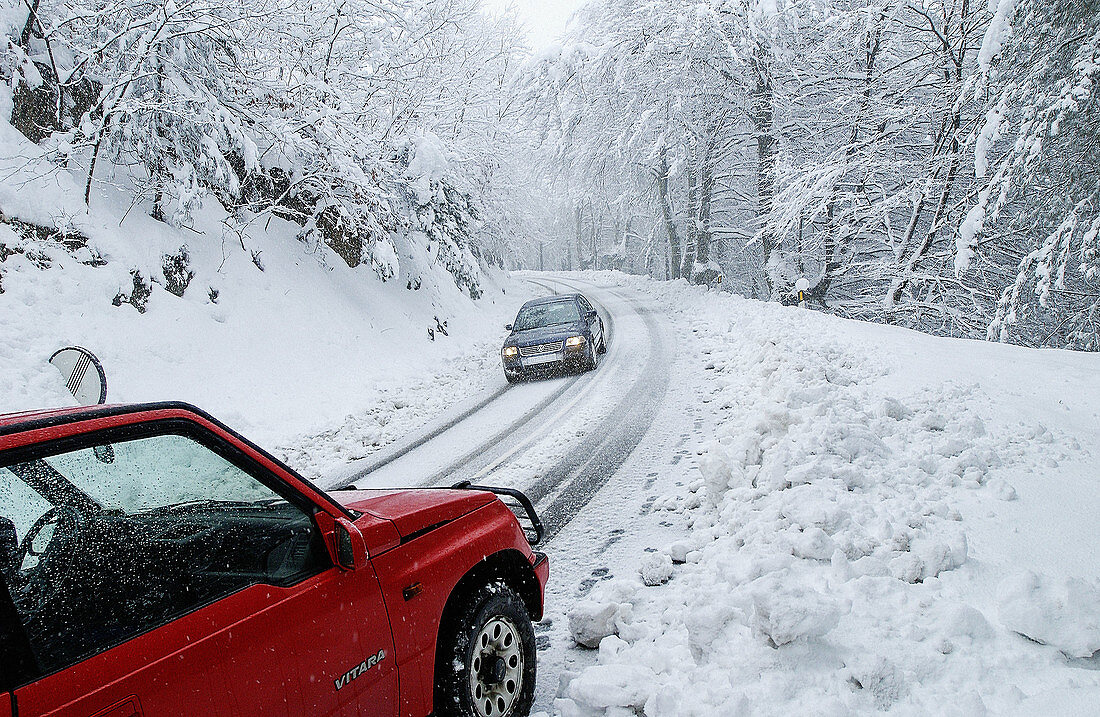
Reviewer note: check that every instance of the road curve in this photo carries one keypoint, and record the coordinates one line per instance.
(558, 439)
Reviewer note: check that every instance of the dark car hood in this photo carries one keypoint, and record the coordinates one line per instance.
(543, 335)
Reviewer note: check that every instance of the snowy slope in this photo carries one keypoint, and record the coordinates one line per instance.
(315, 360)
(874, 519)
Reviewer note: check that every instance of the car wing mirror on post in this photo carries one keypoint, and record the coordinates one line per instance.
(592, 314)
(351, 547)
(87, 382)
(507, 327)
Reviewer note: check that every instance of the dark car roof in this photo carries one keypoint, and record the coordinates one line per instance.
(552, 299)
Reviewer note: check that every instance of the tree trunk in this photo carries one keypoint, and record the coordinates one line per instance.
(597, 222)
(762, 114)
(918, 254)
(832, 242)
(706, 191)
(692, 210)
(953, 76)
(156, 170)
(672, 264)
(580, 234)
(32, 19)
(628, 262)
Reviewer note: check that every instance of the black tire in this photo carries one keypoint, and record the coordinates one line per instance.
(512, 377)
(467, 684)
(603, 339)
(590, 358)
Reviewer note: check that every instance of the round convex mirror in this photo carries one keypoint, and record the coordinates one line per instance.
(83, 374)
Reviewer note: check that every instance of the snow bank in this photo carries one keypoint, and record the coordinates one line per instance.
(830, 567)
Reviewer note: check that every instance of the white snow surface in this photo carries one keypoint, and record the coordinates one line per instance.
(318, 362)
(873, 520)
(996, 33)
(427, 166)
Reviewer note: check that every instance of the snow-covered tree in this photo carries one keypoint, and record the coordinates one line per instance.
(306, 110)
(1031, 230)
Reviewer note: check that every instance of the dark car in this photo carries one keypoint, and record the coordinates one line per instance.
(154, 562)
(551, 334)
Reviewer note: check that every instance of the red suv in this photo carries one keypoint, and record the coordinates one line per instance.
(154, 562)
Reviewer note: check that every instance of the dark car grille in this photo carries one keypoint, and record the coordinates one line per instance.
(540, 349)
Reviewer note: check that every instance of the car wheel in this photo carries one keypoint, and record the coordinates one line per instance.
(590, 358)
(485, 662)
(512, 377)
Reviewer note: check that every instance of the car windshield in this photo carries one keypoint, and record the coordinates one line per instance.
(540, 315)
(166, 471)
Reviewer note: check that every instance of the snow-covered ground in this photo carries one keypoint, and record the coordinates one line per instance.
(316, 361)
(870, 519)
(826, 516)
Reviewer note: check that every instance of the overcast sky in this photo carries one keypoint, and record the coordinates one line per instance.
(545, 19)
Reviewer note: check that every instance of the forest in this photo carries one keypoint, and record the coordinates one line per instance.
(932, 164)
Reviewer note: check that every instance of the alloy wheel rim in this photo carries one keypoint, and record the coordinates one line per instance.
(496, 669)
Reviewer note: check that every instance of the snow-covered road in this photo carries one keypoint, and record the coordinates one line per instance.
(558, 439)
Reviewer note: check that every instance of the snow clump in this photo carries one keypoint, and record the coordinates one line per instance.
(602, 613)
(1063, 613)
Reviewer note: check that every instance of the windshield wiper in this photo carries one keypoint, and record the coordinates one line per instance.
(206, 504)
(556, 323)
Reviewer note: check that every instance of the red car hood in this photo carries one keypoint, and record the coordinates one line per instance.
(412, 511)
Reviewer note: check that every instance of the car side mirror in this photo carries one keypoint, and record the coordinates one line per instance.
(104, 453)
(507, 327)
(592, 314)
(351, 548)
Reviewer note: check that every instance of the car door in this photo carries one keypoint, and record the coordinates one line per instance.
(185, 579)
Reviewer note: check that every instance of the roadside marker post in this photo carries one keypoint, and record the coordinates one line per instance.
(802, 286)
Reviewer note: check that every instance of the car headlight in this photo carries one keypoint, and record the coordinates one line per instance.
(573, 341)
(510, 351)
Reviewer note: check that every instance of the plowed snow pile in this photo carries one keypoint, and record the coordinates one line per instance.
(879, 520)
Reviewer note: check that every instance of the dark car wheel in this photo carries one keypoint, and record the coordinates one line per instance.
(513, 376)
(603, 339)
(590, 358)
(485, 661)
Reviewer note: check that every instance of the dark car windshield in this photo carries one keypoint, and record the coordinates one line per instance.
(539, 315)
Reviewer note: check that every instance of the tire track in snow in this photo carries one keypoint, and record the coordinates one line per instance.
(525, 418)
(572, 483)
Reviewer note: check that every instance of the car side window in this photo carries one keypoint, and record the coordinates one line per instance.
(101, 544)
